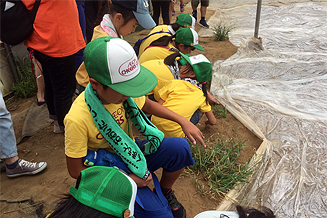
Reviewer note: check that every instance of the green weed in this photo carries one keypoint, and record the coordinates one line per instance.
(221, 32)
(26, 87)
(218, 166)
(219, 111)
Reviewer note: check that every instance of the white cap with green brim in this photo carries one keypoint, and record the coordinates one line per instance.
(112, 61)
(200, 64)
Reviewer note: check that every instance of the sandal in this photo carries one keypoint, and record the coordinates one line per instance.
(39, 103)
(182, 7)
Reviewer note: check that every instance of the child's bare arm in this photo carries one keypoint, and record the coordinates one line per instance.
(211, 119)
(161, 101)
(212, 98)
(190, 130)
(139, 181)
(74, 166)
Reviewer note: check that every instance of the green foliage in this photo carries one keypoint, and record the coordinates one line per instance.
(219, 111)
(26, 87)
(220, 167)
(221, 32)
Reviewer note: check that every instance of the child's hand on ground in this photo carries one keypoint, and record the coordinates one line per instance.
(212, 98)
(139, 181)
(192, 132)
(208, 122)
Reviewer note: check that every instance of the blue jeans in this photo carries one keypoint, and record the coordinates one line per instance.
(59, 84)
(7, 135)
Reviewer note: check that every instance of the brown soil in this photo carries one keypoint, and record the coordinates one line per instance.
(46, 146)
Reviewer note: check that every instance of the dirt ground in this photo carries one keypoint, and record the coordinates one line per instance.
(45, 188)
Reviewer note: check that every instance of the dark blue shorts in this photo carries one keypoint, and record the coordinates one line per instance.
(172, 155)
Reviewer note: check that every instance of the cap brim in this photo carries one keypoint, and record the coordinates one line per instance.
(139, 86)
(199, 47)
(145, 20)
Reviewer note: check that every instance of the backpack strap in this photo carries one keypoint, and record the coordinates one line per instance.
(167, 47)
(35, 8)
(158, 190)
(161, 31)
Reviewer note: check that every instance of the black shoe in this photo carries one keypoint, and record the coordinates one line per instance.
(176, 207)
(203, 23)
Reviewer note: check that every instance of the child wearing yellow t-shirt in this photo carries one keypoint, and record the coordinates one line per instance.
(186, 95)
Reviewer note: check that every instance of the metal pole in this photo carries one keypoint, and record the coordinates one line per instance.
(257, 19)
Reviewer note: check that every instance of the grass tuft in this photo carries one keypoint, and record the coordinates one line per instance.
(26, 87)
(218, 165)
(221, 32)
(219, 111)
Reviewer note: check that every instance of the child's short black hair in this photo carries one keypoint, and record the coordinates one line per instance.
(105, 8)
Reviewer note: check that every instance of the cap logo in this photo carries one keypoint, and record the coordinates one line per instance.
(129, 67)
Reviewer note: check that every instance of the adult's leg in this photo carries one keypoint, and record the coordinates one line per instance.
(81, 16)
(156, 11)
(8, 149)
(91, 12)
(194, 4)
(39, 81)
(60, 84)
(203, 9)
(165, 8)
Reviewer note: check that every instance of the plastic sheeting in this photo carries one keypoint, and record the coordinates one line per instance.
(280, 94)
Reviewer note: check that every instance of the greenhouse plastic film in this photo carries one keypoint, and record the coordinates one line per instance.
(278, 89)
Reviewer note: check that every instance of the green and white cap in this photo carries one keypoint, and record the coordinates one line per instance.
(186, 20)
(112, 61)
(200, 64)
(188, 36)
(106, 189)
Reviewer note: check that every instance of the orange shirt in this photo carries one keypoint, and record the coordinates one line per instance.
(57, 32)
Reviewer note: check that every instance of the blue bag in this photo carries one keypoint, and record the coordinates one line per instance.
(148, 204)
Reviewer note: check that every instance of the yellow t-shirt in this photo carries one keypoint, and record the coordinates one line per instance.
(156, 53)
(81, 133)
(184, 99)
(82, 77)
(154, 37)
(162, 72)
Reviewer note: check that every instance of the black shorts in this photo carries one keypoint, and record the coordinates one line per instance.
(204, 3)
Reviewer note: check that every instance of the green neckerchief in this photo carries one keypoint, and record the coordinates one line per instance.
(119, 141)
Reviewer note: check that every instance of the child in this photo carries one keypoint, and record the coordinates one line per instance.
(182, 20)
(102, 117)
(99, 192)
(123, 18)
(185, 40)
(167, 70)
(185, 96)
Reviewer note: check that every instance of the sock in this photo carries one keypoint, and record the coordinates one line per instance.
(13, 165)
(203, 18)
(165, 190)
